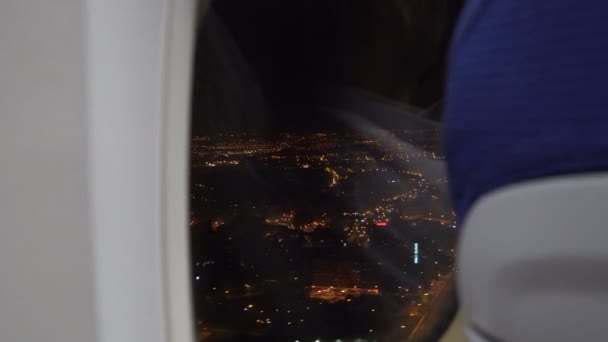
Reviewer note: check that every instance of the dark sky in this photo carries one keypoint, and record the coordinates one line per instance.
(262, 65)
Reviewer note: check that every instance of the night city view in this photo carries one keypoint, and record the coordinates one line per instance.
(321, 236)
(319, 208)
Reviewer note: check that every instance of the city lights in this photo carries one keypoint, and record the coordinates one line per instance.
(295, 227)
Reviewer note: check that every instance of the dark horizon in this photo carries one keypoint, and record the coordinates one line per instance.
(250, 75)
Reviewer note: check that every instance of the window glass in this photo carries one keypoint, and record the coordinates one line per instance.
(318, 205)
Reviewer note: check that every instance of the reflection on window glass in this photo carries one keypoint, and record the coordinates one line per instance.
(318, 204)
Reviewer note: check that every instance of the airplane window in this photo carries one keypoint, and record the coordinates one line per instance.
(319, 209)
